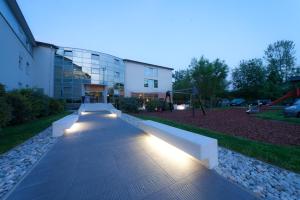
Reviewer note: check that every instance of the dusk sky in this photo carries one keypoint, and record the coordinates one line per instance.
(167, 33)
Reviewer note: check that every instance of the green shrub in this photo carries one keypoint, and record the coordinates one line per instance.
(5, 112)
(56, 106)
(129, 104)
(5, 108)
(21, 107)
(153, 105)
(39, 102)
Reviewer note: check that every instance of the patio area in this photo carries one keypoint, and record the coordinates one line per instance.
(103, 157)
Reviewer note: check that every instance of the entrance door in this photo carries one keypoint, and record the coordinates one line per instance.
(94, 93)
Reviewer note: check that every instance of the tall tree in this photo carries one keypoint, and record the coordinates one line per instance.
(280, 57)
(249, 78)
(209, 78)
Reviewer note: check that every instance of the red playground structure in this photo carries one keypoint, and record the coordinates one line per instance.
(291, 94)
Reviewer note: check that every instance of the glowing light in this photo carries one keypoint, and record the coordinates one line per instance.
(168, 152)
(180, 107)
(112, 115)
(84, 113)
(74, 128)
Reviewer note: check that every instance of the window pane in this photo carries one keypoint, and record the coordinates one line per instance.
(68, 53)
(155, 83)
(145, 82)
(151, 83)
(95, 57)
(95, 70)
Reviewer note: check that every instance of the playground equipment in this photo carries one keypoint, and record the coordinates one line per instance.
(194, 97)
(291, 94)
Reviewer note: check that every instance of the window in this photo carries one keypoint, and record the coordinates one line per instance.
(95, 70)
(155, 83)
(20, 62)
(95, 57)
(27, 68)
(150, 83)
(116, 61)
(68, 53)
(117, 75)
(146, 83)
(150, 72)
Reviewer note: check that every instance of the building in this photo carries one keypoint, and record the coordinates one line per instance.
(150, 81)
(70, 73)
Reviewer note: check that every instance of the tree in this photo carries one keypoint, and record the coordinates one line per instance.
(210, 78)
(249, 78)
(280, 58)
(182, 80)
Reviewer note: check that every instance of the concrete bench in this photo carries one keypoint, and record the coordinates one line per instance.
(59, 126)
(201, 147)
(93, 107)
(115, 111)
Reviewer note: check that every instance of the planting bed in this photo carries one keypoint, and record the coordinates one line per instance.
(235, 121)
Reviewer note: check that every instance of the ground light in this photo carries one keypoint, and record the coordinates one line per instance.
(112, 115)
(84, 113)
(74, 128)
(168, 152)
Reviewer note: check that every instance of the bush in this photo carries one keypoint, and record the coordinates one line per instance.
(129, 104)
(39, 102)
(21, 107)
(5, 108)
(56, 106)
(153, 105)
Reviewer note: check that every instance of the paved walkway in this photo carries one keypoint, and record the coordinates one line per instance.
(110, 159)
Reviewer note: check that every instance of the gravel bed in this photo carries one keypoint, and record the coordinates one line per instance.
(15, 163)
(265, 180)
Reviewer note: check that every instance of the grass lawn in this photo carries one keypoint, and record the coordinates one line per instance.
(13, 135)
(287, 157)
(277, 115)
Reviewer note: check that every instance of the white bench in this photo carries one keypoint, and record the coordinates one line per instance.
(92, 107)
(201, 147)
(59, 126)
(118, 113)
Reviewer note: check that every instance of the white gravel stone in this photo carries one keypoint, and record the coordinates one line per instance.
(265, 180)
(15, 163)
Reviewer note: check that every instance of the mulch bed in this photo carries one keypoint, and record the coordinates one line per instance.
(236, 122)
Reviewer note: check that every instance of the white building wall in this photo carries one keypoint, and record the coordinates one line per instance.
(43, 73)
(12, 73)
(135, 75)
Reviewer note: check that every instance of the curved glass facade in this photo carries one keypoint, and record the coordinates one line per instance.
(79, 73)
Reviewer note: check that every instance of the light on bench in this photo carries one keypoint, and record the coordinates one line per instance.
(74, 128)
(112, 115)
(168, 151)
(84, 113)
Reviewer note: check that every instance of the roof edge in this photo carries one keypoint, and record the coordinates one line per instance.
(21, 19)
(44, 44)
(149, 64)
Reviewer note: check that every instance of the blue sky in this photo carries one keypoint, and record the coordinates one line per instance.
(166, 32)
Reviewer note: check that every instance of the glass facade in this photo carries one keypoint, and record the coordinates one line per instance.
(79, 73)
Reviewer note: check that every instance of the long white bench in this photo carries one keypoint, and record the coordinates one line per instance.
(59, 126)
(92, 107)
(201, 147)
